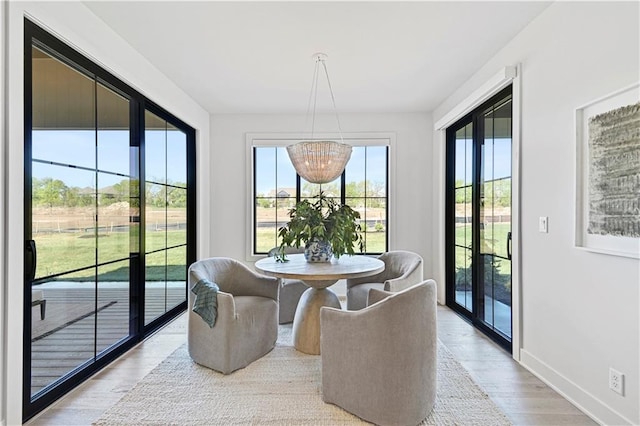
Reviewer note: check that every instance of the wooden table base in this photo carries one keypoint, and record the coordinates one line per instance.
(306, 323)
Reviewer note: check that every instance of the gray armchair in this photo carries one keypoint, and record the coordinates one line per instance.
(402, 270)
(290, 289)
(246, 327)
(379, 363)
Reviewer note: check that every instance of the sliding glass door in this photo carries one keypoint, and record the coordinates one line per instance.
(165, 215)
(80, 231)
(479, 217)
(109, 218)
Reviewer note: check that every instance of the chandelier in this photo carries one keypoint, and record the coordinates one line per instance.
(319, 161)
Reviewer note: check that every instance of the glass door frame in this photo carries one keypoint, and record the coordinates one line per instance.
(475, 315)
(34, 35)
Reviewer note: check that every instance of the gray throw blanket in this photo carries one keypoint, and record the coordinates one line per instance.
(206, 301)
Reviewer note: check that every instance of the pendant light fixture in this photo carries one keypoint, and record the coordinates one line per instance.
(319, 161)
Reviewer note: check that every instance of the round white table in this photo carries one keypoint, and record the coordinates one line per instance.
(317, 276)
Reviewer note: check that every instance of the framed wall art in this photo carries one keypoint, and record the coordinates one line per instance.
(608, 174)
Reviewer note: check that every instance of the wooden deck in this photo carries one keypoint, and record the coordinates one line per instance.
(65, 339)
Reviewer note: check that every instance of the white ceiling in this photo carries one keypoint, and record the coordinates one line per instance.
(256, 57)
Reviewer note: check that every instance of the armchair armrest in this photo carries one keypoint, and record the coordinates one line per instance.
(249, 283)
(406, 280)
(377, 278)
(234, 278)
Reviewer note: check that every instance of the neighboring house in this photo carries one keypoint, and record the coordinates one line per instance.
(284, 193)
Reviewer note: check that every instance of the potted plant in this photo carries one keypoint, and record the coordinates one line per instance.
(324, 227)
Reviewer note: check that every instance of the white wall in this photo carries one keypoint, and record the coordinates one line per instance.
(75, 24)
(3, 29)
(580, 310)
(410, 179)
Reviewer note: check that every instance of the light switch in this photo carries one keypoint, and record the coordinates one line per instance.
(543, 224)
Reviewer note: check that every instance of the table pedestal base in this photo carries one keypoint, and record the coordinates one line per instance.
(306, 323)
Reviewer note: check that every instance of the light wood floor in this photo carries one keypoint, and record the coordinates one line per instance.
(523, 398)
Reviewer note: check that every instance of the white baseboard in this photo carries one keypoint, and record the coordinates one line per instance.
(586, 402)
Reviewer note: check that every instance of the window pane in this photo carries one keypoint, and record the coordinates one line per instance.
(113, 304)
(176, 276)
(355, 171)
(155, 285)
(63, 113)
(286, 174)
(265, 224)
(463, 277)
(283, 205)
(176, 157)
(68, 326)
(498, 120)
(63, 218)
(113, 218)
(463, 234)
(376, 218)
(176, 216)
(113, 132)
(265, 171)
(308, 189)
(376, 171)
(156, 217)
(155, 137)
(355, 189)
(359, 204)
(464, 155)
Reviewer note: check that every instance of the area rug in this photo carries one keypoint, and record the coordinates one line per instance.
(282, 388)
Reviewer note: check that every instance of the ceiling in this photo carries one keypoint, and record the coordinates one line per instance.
(256, 57)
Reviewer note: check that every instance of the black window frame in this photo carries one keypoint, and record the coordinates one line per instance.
(298, 197)
(34, 35)
(474, 118)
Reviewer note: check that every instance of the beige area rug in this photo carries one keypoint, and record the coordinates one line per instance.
(282, 388)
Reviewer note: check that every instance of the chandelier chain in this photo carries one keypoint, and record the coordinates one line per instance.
(319, 161)
(333, 99)
(314, 89)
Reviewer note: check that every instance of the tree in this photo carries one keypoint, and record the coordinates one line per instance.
(49, 192)
(121, 190)
(177, 198)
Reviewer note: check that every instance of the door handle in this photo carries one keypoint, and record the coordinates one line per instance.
(509, 245)
(31, 260)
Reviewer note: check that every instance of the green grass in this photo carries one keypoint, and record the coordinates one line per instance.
(495, 242)
(494, 237)
(60, 252)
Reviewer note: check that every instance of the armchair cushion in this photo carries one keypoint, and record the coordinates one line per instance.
(205, 303)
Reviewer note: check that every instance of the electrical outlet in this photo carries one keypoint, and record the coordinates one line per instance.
(616, 381)
(543, 224)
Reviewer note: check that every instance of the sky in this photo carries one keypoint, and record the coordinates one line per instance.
(273, 166)
(496, 159)
(78, 148)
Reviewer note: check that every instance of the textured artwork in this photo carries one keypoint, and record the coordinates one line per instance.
(614, 172)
